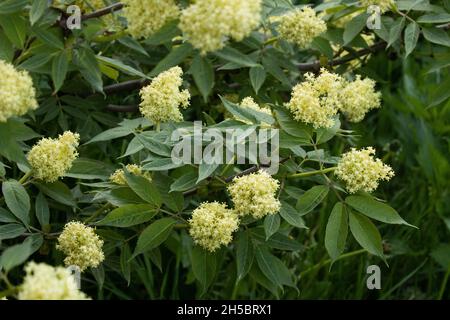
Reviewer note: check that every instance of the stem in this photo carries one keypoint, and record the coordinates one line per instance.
(311, 173)
(328, 261)
(444, 284)
(158, 126)
(97, 213)
(25, 177)
(102, 12)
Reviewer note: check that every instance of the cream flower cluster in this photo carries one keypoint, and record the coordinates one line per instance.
(316, 100)
(80, 244)
(118, 176)
(146, 17)
(17, 94)
(255, 195)
(162, 97)
(208, 23)
(248, 102)
(361, 171)
(385, 5)
(52, 158)
(359, 97)
(301, 27)
(44, 282)
(212, 225)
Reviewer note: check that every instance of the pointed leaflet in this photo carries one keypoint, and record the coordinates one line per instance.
(366, 234)
(244, 255)
(17, 200)
(336, 231)
(311, 199)
(154, 235)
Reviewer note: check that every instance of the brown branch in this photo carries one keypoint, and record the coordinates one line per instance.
(127, 85)
(315, 66)
(445, 26)
(102, 12)
(122, 108)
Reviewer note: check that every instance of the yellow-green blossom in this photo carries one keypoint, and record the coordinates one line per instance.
(162, 97)
(44, 282)
(80, 244)
(359, 97)
(361, 171)
(385, 5)
(255, 195)
(146, 17)
(316, 100)
(17, 94)
(212, 225)
(52, 158)
(301, 27)
(207, 24)
(248, 102)
(118, 176)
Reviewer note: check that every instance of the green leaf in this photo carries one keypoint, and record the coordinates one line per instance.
(11, 6)
(273, 268)
(247, 114)
(292, 127)
(291, 215)
(133, 45)
(323, 46)
(38, 8)
(111, 134)
(175, 57)
(154, 235)
(204, 265)
(154, 145)
(375, 210)
(11, 231)
(88, 65)
(59, 69)
(326, 134)
(144, 189)
(203, 73)
(311, 199)
(7, 217)
(125, 265)
(366, 233)
(83, 168)
(354, 27)
(16, 255)
(165, 34)
(58, 191)
(277, 241)
(396, 31)
(15, 29)
(271, 224)
(257, 77)
(185, 182)
(235, 56)
(434, 18)
(36, 62)
(336, 231)
(129, 215)
(51, 36)
(42, 210)
(411, 37)
(161, 165)
(273, 68)
(6, 48)
(17, 200)
(244, 255)
(437, 36)
(205, 170)
(117, 64)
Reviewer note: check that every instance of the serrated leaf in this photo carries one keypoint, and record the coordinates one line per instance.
(411, 37)
(244, 255)
(11, 231)
(204, 266)
(354, 27)
(38, 8)
(366, 233)
(185, 182)
(311, 199)
(175, 57)
(336, 231)
(203, 74)
(291, 215)
(271, 224)
(17, 200)
(59, 69)
(437, 36)
(129, 215)
(154, 235)
(375, 209)
(232, 55)
(42, 210)
(144, 189)
(257, 77)
(16, 255)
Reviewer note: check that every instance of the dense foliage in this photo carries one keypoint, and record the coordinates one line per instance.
(360, 100)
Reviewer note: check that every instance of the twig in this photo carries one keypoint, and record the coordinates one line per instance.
(102, 12)
(122, 108)
(315, 66)
(124, 86)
